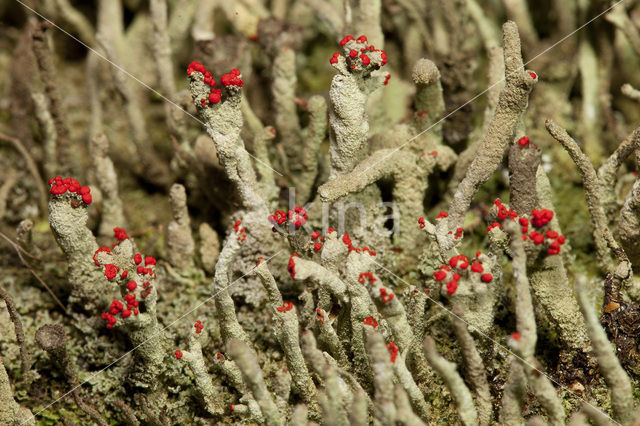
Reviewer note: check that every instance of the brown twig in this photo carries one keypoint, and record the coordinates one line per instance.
(47, 69)
(127, 411)
(25, 359)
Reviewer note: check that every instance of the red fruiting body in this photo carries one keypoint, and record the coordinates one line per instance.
(486, 278)
(460, 261)
(353, 53)
(458, 233)
(286, 306)
(149, 261)
(515, 335)
(370, 321)
(523, 141)
(452, 286)
(345, 40)
(320, 315)
(137, 258)
(178, 353)
(279, 217)
(215, 96)
(477, 267)
(298, 216)
(365, 59)
(493, 225)
(315, 235)
(440, 275)
(541, 217)
(195, 66)
(421, 223)
(110, 271)
(386, 79)
(292, 266)
(364, 276)
(198, 326)
(385, 295)
(120, 234)
(317, 246)
(362, 39)
(533, 75)
(334, 58)
(104, 249)
(346, 240)
(537, 238)
(231, 79)
(126, 313)
(59, 186)
(442, 215)
(393, 351)
(132, 285)
(383, 56)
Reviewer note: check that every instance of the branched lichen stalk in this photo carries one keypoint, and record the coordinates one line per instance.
(475, 368)
(107, 179)
(512, 395)
(180, 245)
(404, 412)
(286, 325)
(230, 328)
(410, 389)
(247, 361)
(161, 48)
(212, 396)
(429, 101)
(332, 385)
(449, 374)
(526, 326)
(286, 116)
(49, 134)
(384, 408)
(523, 166)
(601, 233)
(314, 135)
(616, 378)
(607, 175)
(209, 247)
(513, 101)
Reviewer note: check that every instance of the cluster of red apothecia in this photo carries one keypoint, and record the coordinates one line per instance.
(357, 54)
(538, 218)
(297, 216)
(458, 264)
(421, 221)
(130, 307)
(215, 95)
(59, 186)
(315, 235)
(242, 234)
